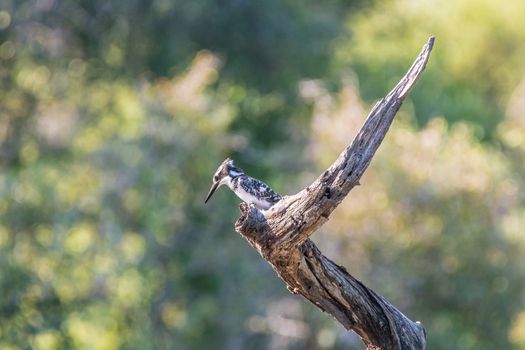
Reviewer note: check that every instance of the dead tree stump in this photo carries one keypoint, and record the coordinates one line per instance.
(281, 235)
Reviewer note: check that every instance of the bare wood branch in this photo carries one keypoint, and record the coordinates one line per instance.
(281, 235)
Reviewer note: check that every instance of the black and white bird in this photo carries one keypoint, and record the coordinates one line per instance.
(250, 190)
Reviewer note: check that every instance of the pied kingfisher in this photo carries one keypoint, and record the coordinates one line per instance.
(250, 190)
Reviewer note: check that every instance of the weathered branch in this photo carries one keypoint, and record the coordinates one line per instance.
(281, 235)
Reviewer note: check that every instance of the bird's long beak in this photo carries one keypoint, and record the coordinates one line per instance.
(212, 189)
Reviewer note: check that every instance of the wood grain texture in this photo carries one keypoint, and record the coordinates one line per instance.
(281, 235)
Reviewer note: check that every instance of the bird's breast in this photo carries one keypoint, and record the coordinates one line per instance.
(252, 199)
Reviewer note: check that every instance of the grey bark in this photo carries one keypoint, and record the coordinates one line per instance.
(281, 235)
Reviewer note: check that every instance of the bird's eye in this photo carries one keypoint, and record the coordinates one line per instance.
(215, 178)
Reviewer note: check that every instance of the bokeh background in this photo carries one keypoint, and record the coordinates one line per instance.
(115, 114)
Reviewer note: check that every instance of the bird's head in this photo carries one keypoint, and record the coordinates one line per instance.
(225, 173)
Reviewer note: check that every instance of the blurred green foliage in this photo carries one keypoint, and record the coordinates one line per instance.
(114, 115)
(478, 64)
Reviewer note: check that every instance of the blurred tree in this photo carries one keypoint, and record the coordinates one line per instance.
(476, 67)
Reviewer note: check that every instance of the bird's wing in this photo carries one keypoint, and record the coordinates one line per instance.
(259, 189)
